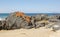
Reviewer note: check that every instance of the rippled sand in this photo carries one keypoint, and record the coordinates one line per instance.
(40, 32)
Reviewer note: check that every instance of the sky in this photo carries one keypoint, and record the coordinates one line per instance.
(30, 6)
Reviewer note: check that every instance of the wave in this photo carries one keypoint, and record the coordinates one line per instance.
(1, 19)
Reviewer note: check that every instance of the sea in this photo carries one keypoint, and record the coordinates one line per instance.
(4, 15)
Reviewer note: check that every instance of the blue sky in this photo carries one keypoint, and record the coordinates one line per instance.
(30, 6)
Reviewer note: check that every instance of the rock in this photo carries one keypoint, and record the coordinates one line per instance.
(26, 25)
(22, 23)
(56, 27)
(17, 20)
(10, 20)
(58, 17)
(54, 20)
(38, 24)
(41, 24)
(49, 25)
(2, 23)
(40, 17)
(33, 21)
(36, 18)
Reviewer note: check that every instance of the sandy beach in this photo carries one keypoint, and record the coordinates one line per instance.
(40, 32)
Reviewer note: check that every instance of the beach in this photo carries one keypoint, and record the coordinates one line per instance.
(13, 26)
(29, 18)
(40, 32)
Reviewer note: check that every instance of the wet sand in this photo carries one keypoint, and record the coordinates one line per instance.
(40, 32)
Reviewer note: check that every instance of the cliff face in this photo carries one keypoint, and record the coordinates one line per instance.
(19, 20)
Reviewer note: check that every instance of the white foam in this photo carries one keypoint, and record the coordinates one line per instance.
(1, 19)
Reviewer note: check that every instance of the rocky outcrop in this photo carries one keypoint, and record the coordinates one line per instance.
(54, 22)
(37, 20)
(56, 26)
(19, 20)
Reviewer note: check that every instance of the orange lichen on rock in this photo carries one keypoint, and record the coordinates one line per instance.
(27, 18)
(21, 14)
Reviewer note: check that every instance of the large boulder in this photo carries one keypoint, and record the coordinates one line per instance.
(17, 20)
(35, 20)
(54, 18)
(55, 26)
(40, 17)
(10, 20)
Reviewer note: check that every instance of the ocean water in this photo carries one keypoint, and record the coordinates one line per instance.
(4, 15)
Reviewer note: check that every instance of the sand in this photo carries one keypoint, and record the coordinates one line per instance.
(40, 32)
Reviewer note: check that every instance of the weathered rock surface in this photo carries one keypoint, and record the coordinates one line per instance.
(15, 21)
(19, 20)
(36, 20)
(55, 26)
